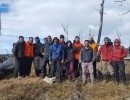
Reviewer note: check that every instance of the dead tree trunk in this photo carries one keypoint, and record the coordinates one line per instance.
(0, 23)
(101, 21)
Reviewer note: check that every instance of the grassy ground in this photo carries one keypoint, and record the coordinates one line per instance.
(33, 88)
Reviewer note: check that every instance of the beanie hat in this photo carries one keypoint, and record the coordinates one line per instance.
(106, 39)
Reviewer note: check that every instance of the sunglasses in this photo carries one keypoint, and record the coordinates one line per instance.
(116, 42)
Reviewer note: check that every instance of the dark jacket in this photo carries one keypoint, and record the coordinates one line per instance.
(46, 49)
(38, 49)
(56, 52)
(69, 53)
(18, 49)
(87, 55)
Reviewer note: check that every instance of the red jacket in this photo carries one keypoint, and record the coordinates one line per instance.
(118, 53)
(106, 52)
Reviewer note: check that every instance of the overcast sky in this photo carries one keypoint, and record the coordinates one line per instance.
(44, 17)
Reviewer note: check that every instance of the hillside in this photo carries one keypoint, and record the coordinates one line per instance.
(33, 88)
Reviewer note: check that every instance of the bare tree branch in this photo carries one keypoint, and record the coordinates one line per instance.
(120, 1)
(118, 34)
(65, 28)
(125, 13)
(98, 10)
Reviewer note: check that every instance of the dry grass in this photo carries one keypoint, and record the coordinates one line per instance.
(33, 88)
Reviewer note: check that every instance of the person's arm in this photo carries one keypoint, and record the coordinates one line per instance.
(50, 54)
(124, 52)
(15, 50)
(96, 48)
(42, 49)
(80, 56)
(63, 54)
(100, 51)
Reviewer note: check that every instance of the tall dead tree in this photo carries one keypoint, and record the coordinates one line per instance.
(65, 28)
(101, 11)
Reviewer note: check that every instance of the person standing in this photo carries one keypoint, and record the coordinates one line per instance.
(38, 57)
(29, 55)
(69, 59)
(62, 42)
(56, 58)
(105, 53)
(46, 49)
(78, 46)
(118, 54)
(94, 46)
(87, 57)
(18, 58)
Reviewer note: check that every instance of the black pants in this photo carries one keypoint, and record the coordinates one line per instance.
(56, 69)
(44, 67)
(28, 65)
(119, 70)
(94, 69)
(77, 68)
(19, 67)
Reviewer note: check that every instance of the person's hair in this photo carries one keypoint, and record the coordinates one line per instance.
(45, 38)
(55, 38)
(62, 36)
(21, 37)
(30, 38)
(37, 37)
(68, 42)
(50, 36)
(86, 41)
(77, 37)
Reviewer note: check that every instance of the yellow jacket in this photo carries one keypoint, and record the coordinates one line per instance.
(94, 46)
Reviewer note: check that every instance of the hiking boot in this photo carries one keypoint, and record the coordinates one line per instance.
(84, 83)
(125, 83)
(105, 79)
(93, 83)
(69, 81)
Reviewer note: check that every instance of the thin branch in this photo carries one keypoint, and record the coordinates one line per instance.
(98, 10)
(120, 1)
(125, 13)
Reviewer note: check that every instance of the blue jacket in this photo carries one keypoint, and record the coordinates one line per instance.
(56, 52)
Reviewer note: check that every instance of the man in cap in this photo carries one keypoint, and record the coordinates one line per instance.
(105, 53)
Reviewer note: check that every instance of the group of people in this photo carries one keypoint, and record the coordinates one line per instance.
(69, 61)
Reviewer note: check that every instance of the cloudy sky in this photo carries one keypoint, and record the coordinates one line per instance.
(44, 17)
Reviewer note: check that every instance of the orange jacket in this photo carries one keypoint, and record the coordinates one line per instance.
(29, 50)
(78, 47)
